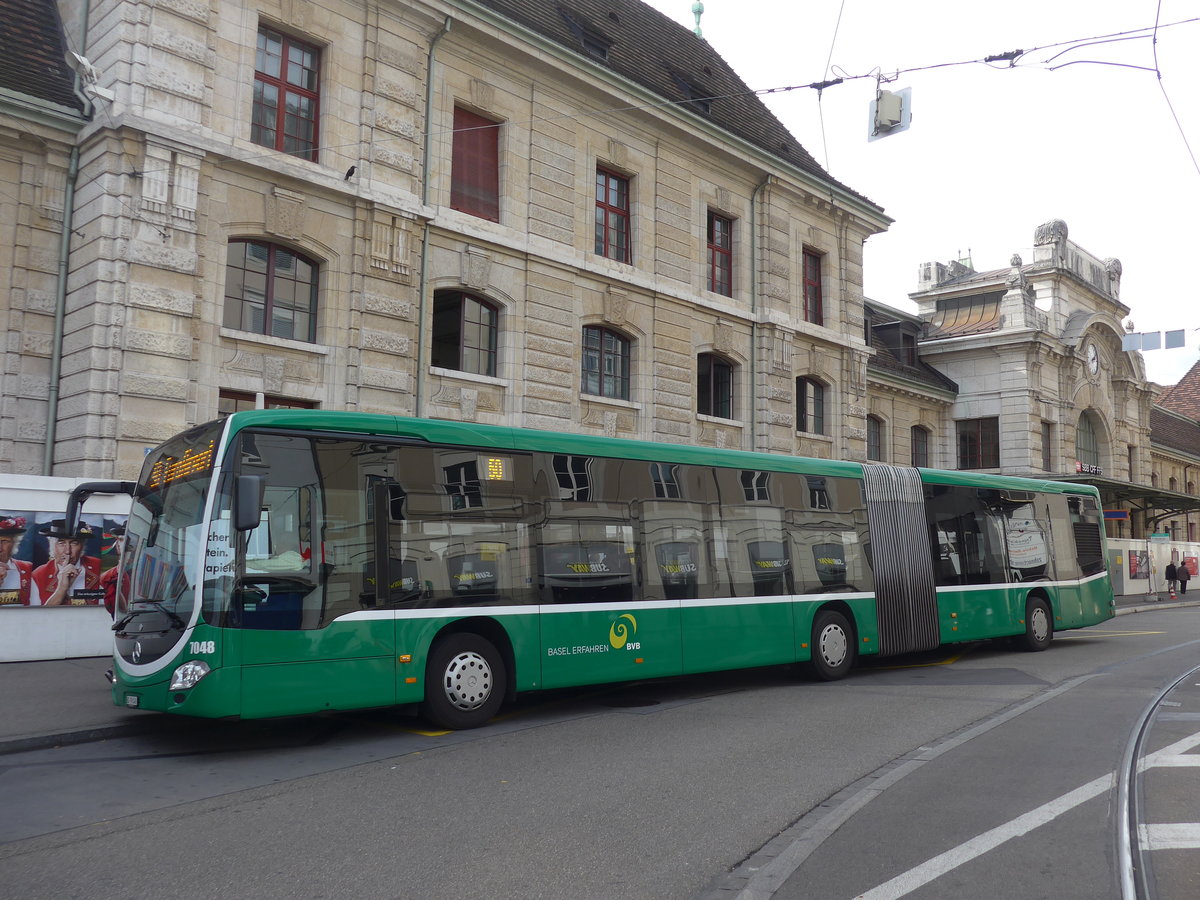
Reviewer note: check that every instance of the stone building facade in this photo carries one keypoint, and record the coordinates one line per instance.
(1044, 387)
(41, 115)
(367, 248)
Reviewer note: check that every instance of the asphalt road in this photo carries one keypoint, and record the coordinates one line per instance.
(920, 778)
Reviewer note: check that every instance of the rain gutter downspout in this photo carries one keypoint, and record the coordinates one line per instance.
(423, 278)
(64, 254)
(754, 310)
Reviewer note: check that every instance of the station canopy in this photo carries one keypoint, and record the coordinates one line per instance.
(1158, 504)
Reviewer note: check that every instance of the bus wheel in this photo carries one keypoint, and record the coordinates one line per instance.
(465, 681)
(1039, 625)
(832, 646)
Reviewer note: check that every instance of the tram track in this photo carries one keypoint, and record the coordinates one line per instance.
(1134, 869)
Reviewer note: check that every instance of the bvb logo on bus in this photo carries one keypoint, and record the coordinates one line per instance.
(619, 633)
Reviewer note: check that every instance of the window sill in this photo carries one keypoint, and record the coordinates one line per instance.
(815, 436)
(717, 420)
(268, 341)
(469, 376)
(610, 401)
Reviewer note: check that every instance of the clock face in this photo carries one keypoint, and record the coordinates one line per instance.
(1093, 359)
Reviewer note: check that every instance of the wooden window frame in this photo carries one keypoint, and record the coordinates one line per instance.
(978, 442)
(714, 386)
(919, 439)
(720, 254)
(276, 136)
(473, 334)
(810, 405)
(269, 291)
(603, 346)
(814, 301)
(613, 191)
(875, 439)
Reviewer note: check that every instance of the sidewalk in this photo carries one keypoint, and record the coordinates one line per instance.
(67, 701)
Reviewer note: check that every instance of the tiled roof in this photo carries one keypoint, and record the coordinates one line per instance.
(650, 49)
(1184, 397)
(1172, 430)
(33, 61)
(885, 360)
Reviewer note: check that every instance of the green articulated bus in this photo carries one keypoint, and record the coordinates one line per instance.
(286, 562)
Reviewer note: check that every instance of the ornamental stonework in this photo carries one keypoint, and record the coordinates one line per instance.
(285, 212)
(476, 268)
(616, 306)
(405, 162)
(149, 386)
(162, 299)
(392, 307)
(196, 10)
(398, 92)
(387, 342)
(273, 368)
(174, 345)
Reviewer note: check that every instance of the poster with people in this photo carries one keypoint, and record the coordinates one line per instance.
(1139, 564)
(42, 565)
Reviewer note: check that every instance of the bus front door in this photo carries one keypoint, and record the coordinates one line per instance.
(310, 635)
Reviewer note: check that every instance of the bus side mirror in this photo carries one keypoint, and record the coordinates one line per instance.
(249, 491)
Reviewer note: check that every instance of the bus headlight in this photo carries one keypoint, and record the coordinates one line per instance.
(187, 675)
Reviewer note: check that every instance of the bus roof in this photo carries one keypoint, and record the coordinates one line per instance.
(501, 437)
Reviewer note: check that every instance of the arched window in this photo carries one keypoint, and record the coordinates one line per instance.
(1087, 444)
(464, 333)
(810, 405)
(606, 359)
(920, 446)
(875, 438)
(714, 386)
(270, 290)
(1173, 484)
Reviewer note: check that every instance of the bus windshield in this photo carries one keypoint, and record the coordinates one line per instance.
(156, 591)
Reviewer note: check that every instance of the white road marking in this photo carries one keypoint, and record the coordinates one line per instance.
(1182, 761)
(989, 840)
(1179, 836)
(934, 868)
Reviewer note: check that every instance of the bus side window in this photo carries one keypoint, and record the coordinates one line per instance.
(967, 538)
(1087, 528)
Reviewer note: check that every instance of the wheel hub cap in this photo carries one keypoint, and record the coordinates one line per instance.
(833, 645)
(468, 681)
(1041, 625)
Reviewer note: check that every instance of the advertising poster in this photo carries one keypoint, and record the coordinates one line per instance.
(1191, 562)
(1139, 564)
(40, 565)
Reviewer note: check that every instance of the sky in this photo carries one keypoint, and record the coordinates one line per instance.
(1093, 137)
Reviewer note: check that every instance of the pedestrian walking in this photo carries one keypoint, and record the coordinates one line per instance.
(1171, 576)
(1183, 573)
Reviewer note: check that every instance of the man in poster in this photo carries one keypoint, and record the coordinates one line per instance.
(69, 578)
(108, 580)
(15, 574)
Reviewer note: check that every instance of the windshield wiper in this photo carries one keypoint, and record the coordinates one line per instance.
(133, 613)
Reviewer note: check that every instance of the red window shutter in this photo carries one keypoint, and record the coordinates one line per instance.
(475, 166)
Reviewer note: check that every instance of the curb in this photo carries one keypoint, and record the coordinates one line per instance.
(27, 743)
(1151, 605)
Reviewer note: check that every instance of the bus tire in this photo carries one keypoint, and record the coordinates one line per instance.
(1039, 625)
(833, 646)
(465, 682)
